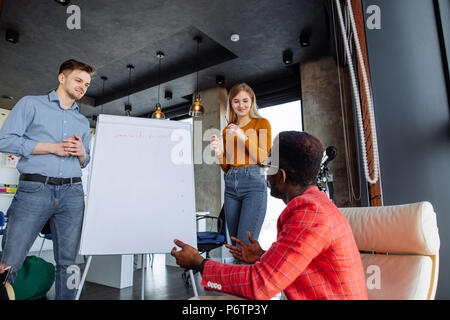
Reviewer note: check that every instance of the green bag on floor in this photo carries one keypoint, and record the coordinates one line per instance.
(34, 279)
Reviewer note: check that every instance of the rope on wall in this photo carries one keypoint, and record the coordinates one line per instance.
(374, 179)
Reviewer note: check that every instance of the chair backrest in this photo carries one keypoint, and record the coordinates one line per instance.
(2, 219)
(399, 249)
(219, 222)
(224, 228)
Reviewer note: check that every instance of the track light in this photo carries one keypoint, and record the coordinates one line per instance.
(12, 36)
(305, 37)
(128, 109)
(288, 57)
(220, 80)
(168, 95)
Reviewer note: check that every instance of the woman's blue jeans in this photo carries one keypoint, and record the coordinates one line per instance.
(34, 204)
(245, 201)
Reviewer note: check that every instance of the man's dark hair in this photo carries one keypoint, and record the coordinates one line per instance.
(300, 155)
(72, 64)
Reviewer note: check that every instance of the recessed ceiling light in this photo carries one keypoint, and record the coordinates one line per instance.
(234, 37)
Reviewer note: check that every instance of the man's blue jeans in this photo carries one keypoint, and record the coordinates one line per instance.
(34, 204)
(245, 201)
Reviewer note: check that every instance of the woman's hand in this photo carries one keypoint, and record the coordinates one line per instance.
(216, 145)
(237, 131)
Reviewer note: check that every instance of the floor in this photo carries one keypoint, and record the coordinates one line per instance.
(162, 283)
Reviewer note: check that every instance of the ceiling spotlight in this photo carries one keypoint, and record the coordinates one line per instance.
(220, 80)
(128, 109)
(305, 37)
(6, 97)
(12, 36)
(288, 56)
(234, 37)
(63, 2)
(168, 95)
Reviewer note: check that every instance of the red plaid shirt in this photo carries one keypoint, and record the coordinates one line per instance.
(315, 257)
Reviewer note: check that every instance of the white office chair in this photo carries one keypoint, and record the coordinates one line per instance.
(400, 250)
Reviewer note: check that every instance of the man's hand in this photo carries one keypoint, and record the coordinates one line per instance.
(188, 257)
(50, 148)
(2, 266)
(249, 253)
(74, 146)
(60, 150)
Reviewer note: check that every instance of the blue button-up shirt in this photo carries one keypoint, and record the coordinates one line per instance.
(42, 119)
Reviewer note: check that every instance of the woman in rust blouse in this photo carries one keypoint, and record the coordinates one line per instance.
(242, 153)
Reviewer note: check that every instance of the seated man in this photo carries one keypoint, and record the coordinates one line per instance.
(315, 255)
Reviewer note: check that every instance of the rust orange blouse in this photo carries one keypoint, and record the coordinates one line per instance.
(255, 149)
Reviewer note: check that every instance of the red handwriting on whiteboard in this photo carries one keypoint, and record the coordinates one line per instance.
(140, 136)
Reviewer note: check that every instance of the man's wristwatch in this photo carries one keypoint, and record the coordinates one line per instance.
(201, 266)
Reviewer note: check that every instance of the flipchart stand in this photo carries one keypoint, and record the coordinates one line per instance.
(140, 195)
(144, 264)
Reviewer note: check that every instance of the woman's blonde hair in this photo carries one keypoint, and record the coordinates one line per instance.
(234, 91)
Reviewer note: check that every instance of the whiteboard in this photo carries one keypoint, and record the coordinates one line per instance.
(141, 189)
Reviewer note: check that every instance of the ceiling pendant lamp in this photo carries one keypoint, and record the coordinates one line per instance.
(158, 114)
(128, 105)
(197, 109)
(104, 78)
(95, 116)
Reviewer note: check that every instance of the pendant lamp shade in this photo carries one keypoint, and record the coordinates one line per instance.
(196, 109)
(158, 114)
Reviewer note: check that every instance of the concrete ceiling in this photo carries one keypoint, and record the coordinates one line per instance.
(115, 33)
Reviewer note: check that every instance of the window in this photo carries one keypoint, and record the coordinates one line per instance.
(283, 117)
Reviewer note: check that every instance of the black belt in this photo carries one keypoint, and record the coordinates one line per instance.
(48, 180)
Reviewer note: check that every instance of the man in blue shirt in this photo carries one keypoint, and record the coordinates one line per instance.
(52, 138)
